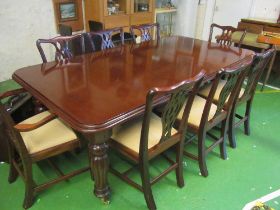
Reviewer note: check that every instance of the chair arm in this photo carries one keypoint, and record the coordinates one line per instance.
(28, 127)
(11, 93)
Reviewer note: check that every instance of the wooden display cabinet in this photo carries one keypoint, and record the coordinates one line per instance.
(119, 13)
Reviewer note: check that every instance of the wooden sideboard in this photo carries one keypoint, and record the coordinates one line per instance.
(124, 13)
(259, 25)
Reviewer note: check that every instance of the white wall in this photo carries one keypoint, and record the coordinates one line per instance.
(22, 23)
(208, 19)
(268, 9)
(201, 11)
(185, 18)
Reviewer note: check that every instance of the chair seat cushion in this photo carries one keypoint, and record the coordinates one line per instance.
(197, 111)
(250, 39)
(128, 134)
(205, 91)
(51, 134)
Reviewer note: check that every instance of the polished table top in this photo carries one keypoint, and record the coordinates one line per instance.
(95, 91)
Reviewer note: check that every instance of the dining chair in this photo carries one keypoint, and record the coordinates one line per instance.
(145, 31)
(225, 38)
(37, 138)
(65, 30)
(205, 114)
(246, 95)
(95, 26)
(145, 138)
(65, 46)
(104, 38)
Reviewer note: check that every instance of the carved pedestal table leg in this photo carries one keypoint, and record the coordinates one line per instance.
(99, 162)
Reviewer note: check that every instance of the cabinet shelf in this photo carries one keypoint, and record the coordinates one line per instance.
(167, 23)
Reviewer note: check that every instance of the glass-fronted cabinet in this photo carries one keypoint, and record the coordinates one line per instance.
(164, 12)
(141, 5)
(119, 13)
(117, 7)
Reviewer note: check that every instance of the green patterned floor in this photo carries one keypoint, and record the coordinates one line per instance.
(251, 172)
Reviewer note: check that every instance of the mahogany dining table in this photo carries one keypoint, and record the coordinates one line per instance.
(95, 92)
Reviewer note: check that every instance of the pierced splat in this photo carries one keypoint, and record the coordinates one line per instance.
(146, 31)
(65, 46)
(228, 92)
(225, 38)
(260, 63)
(172, 110)
(106, 38)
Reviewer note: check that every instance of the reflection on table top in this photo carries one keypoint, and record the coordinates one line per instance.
(98, 90)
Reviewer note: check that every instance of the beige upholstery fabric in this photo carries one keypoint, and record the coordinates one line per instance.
(205, 91)
(49, 135)
(197, 110)
(128, 134)
(250, 39)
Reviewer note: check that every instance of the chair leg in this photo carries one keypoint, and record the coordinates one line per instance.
(13, 174)
(179, 160)
(202, 154)
(231, 129)
(146, 184)
(222, 145)
(29, 196)
(247, 114)
(29, 187)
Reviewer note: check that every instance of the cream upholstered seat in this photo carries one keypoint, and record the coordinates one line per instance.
(129, 133)
(250, 39)
(49, 135)
(205, 91)
(197, 111)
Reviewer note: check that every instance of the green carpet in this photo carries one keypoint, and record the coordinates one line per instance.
(251, 171)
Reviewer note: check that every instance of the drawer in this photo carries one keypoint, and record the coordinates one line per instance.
(250, 27)
(113, 21)
(272, 29)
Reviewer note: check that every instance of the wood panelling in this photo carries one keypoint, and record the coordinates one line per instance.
(113, 21)
(141, 18)
(78, 24)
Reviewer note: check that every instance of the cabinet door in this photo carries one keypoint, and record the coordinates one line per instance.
(113, 21)
(116, 7)
(139, 6)
(141, 18)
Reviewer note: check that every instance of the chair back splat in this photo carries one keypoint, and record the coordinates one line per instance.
(65, 46)
(146, 32)
(105, 38)
(154, 134)
(225, 38)
(261, 60)
(178, 96)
